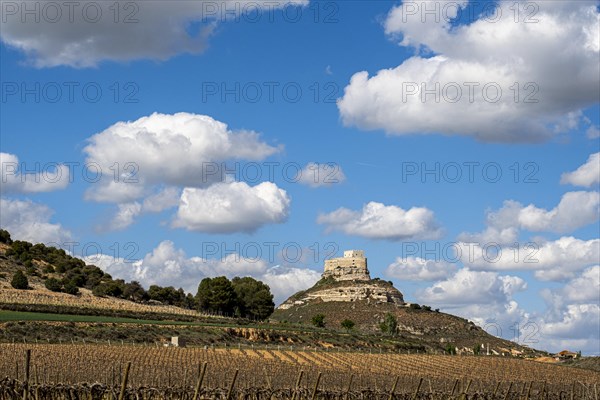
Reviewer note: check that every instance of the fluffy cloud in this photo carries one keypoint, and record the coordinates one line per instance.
(26, 220)
(572, 319)
(552, 260)
(48, 177)
(162, 200)
(465, 76)
(285, 281)
(125, 215)
(170, 149)
(579, 321)
(378, 221)
(492, 234)
(575, 210)
(87, 32)
(324, 174)
(232, 207)
(586, 175)
(166, 265)
(485, 298)
(419, 269)
(473, 287)
(585, 287)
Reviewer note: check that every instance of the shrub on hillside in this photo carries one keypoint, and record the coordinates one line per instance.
(53, 285)
(389, 324)
(71, 288)
(5, 237)
(318, 320)
(347, 324)
(19, 281)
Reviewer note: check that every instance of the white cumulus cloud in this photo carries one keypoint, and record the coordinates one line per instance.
(473, 287)
(419, 269)
(552, 260)
(586, 175)
(84, 33)
(492, 73)
(575, 210)
(232, 207)
(378, 221)
(170, 149)
(45, 178)
(29, 221)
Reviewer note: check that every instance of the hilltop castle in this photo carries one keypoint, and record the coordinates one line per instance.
(352, 283)
(351, 267)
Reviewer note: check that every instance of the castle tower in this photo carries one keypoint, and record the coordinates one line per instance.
(352, 266)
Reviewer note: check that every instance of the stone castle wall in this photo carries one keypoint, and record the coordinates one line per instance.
(353, 266)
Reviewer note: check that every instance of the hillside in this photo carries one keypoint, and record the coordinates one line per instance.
(347, 292)
(59, 283)
(338, 296)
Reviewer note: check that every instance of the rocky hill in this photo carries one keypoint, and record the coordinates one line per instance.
(347, 292)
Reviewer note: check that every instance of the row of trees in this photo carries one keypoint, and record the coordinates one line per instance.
(241, 297)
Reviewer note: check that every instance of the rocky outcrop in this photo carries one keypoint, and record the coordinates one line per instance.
(352, 291)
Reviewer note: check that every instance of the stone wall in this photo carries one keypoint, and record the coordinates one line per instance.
(353, 266)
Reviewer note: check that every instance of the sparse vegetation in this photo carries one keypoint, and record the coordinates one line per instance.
(450, 349)
(347, 324)
(318, 320)
(53, 284)
(19, 281)
(70, 274)
(389, 324)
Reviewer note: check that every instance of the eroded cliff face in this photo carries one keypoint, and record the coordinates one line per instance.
(350, 291)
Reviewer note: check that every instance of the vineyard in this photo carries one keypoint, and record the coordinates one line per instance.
(146, 372)
(85, 301)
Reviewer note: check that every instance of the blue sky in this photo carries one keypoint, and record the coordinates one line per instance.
(182, 87)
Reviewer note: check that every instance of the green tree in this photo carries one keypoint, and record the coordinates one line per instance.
(254, 298)
(135, 292)
(53, 285)
(190, 302)
(347, 324)
(217, 295)
(71, 288)
(5, 237)
(19, 280)
(112, 288)
(389, 324)
(318, 320)
(167, 295)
